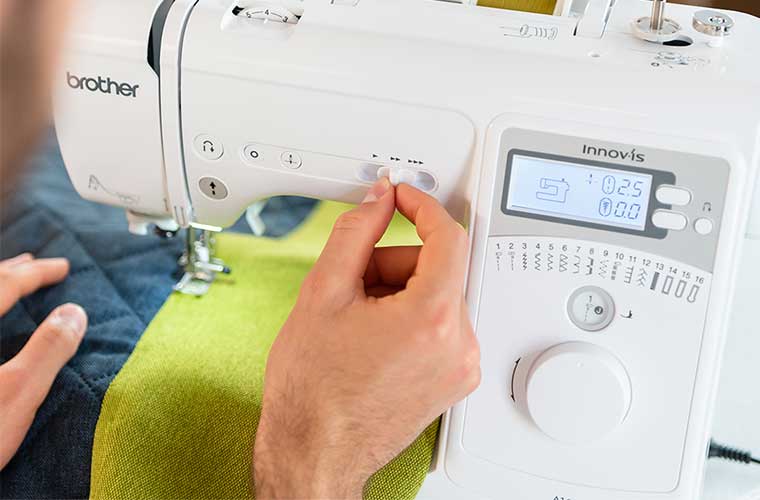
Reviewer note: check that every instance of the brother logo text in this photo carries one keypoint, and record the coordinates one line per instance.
(100, 84)
(614, 154)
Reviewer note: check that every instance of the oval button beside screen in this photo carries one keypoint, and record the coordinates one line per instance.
(671, 195)
(669, 220)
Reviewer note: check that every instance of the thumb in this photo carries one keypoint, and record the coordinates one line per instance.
(49, 348)
(354, 236)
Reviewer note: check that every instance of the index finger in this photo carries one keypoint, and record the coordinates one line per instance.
(14, 261)
(26, 278)
(442, 262)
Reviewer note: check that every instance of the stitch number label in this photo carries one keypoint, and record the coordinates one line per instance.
(582, 259)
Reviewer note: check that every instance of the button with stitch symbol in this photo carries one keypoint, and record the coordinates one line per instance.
(208, 147)
(590, 308)
(213, 188)
(291, 160)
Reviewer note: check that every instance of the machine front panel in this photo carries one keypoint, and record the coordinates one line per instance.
(593, 307)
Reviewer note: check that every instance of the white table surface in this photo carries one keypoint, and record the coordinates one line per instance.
(737, 414)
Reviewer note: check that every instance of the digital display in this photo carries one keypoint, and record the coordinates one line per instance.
(579, 192)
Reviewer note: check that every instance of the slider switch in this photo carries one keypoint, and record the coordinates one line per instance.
(424, 181)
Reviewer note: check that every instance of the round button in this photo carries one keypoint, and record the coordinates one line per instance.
(213, 188)
(252, 153)
(703, 226)
(578, 392)
(590, 308)
(291, 160)
(208, 147)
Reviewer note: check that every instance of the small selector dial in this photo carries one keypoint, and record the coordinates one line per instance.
(591, 308)
(577, 392)
(272, 11)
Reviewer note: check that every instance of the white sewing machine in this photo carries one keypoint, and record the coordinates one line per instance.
(603, 159)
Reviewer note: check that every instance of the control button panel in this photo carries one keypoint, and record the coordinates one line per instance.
(672, 195)
(629, 195)
(339, 168)
(547, 381)
(672, 221)
(208, 147)
(590, 308)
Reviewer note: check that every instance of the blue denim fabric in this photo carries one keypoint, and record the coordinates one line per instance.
(120, 279)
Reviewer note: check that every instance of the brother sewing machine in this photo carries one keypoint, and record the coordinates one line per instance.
(603, 159)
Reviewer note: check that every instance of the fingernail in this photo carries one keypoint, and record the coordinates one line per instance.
(377, 190)
(71, 316)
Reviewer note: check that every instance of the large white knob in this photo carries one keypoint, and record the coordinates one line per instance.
(577, 392)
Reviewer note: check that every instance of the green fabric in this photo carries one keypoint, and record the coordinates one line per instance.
(179, 420)
(537, 6)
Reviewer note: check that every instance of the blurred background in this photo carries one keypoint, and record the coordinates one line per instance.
(751, 6)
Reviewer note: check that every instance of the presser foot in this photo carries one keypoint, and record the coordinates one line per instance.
(200, 266)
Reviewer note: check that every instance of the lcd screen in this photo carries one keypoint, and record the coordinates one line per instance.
(578, 192)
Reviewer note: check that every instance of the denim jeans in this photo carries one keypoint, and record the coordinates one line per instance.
(121, 280)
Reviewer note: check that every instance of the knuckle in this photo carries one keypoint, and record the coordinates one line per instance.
(348, 221)
(59, 337)
(317, 285)
(14, 380)
(459, 237)
(466, 370)
(14, 374)
(441, 320)
(9, 284)
(313, 284)
(24, 396)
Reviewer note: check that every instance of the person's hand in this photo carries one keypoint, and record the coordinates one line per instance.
(25, 380)
(378, 345)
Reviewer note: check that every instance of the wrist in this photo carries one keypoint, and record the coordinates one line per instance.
(293, 471)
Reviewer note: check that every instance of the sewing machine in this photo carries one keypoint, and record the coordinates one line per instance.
(603, 159)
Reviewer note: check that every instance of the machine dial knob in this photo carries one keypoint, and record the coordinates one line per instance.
(272, 11)
(577, 392)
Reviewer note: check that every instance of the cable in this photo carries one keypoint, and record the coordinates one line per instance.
(718, 450)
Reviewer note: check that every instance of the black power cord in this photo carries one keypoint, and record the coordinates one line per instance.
(718, 450)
